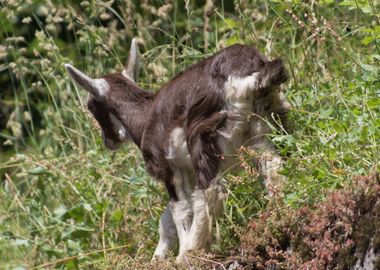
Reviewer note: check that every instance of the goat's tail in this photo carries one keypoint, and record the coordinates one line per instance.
(273, 73)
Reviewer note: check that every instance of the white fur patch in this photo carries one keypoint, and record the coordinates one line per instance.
(168, 235)
(178, 153)
(241, 88)
(182, 217)
(200, 233)
(182, 211)
(102, 86)
(205, 205)
(239, 94)
(184, 182)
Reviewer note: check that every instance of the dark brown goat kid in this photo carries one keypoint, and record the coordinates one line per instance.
(192, 129)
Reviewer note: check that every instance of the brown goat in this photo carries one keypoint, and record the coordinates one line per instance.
(191, 130)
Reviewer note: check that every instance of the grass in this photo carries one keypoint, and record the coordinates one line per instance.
(66, 201)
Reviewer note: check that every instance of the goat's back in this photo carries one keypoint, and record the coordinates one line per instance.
(191, 97)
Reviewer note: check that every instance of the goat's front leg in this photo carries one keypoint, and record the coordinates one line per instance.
(268, 165)
(168, 234)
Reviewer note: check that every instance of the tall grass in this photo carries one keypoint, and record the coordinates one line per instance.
(67, 201)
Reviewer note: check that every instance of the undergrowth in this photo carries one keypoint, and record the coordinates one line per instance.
(66, 202)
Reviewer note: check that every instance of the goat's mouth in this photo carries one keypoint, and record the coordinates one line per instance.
(111, 145)
(282, 113)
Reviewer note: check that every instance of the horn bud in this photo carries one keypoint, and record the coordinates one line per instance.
(132, 68)
(96, 87)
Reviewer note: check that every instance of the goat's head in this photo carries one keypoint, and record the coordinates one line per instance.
(102, 94)
(270, 99)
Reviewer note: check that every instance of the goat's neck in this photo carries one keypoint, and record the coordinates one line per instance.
(133, 107)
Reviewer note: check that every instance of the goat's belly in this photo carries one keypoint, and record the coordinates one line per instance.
(235, 134)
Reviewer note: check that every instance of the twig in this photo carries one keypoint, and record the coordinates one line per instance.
(103, 237)
(207, 11)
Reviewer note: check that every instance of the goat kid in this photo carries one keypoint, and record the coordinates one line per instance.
(192, 129)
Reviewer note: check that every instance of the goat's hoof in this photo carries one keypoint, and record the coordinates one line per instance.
(181, 260)
(157, 258)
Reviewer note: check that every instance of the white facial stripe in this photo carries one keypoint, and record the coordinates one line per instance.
(118, 127)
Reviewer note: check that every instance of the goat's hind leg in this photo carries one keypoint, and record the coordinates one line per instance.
(181, 209)
(205, 197)
(182, 217)
(168, 235)
(207, 205)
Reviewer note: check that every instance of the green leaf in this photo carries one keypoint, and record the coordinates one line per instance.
(367, 67)
(368, 30)
(72, 264)
(73, 245)
(231, 22)
(366, 10)
(88, 207)
(374, 103)
(20, 242)
(67, 232)
(60, 211)
(325, 114)
(117, 216)
(232, 40)
(367, 40)
(38, 170)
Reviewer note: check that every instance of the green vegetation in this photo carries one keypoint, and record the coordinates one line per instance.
(67, 201)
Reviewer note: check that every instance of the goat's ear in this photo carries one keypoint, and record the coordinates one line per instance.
(273, 73)
(96, 87)
(132, 68)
